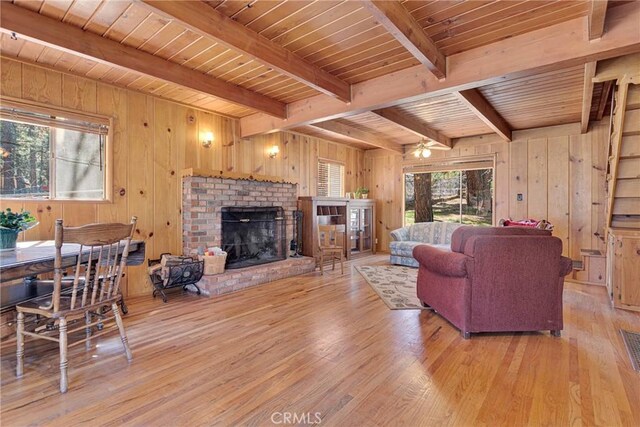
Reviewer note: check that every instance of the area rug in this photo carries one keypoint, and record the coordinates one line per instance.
(394, 284)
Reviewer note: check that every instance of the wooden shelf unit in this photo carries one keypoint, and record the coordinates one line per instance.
(357, 216)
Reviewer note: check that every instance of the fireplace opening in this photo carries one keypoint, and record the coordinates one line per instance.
(253, 235)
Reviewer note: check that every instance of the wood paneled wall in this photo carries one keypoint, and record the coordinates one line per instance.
(152, 141)
(559, 172)
(298, 159)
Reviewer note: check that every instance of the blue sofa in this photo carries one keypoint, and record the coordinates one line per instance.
(436, 234)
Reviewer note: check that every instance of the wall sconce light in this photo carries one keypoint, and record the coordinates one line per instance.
(207, 139)
(422, 150)
(273, 151)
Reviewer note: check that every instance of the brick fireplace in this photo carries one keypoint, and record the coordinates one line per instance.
(206, 193)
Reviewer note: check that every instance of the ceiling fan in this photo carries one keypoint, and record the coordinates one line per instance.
(424, 147)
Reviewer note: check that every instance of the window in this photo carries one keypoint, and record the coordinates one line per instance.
(462, 195)
(330, 179)
(47, 154)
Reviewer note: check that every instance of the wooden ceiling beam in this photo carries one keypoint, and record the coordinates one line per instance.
(205, 21)
(473, 99)
(365, 137)
(587, 95)
(52, 33)
(552, 48)
(403, 27)
(597, 15)
(414, 126)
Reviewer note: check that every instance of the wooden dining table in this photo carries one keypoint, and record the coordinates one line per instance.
(32, 258)
(37, 257)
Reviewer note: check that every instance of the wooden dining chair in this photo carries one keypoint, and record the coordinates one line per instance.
(331, 244)
(93, 289)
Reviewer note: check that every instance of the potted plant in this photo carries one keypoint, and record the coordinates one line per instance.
(362, 193)
(11, 224)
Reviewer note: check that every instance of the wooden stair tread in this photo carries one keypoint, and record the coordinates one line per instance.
(631, 122)
(628, 187)
(626, 206)
(623, 222)
(591, 253)
(629, 168)
(630, 146)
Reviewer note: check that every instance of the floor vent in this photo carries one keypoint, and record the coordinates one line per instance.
(632, 342)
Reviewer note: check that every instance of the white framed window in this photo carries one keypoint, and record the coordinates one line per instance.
(330, 179)
(52, 154)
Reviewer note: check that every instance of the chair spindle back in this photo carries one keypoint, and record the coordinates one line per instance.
(102, 258)
(330, 235)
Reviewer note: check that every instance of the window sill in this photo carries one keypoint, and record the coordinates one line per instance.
(56, 201)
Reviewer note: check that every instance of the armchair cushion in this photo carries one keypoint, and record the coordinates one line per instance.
(446, 263)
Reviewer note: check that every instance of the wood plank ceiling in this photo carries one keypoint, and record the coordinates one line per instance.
(340, 37)
(542, 100)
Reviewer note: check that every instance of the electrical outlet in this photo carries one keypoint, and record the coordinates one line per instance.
(520, 197)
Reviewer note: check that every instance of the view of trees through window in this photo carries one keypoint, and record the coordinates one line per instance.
(24, 157)
(44, 162)
(455, 196)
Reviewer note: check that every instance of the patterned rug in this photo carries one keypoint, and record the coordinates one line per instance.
(395, 284)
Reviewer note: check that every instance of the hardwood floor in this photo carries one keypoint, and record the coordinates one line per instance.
(328, 345)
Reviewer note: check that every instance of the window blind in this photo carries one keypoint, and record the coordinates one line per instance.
(51, 117)
(330, 179)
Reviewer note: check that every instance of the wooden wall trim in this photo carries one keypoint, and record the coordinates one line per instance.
(209, 173)
(549, 131)
(543, 132)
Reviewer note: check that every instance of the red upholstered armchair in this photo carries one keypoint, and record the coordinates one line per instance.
(495, 279)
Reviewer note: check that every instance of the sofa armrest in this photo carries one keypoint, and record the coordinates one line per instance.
(566, 266)
(400, 234)
(445, 263)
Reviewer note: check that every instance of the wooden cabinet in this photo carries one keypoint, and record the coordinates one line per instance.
(355, 215)
(623, 268)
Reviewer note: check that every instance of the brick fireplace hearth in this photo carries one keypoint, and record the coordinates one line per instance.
(205, 193)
